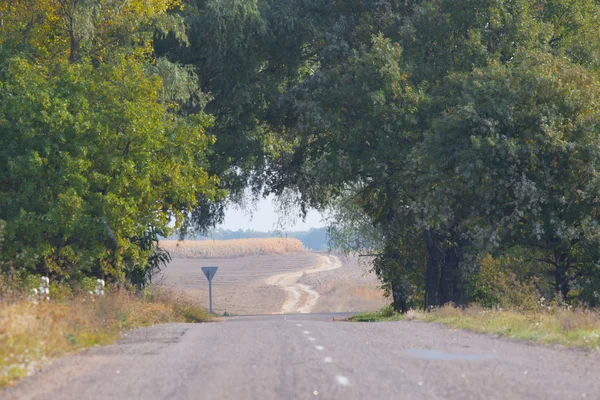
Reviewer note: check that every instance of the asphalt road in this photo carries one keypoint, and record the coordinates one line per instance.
(309, 357)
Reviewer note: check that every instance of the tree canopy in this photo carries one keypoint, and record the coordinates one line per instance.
(457, 129)
(96, 157)
(441, 133)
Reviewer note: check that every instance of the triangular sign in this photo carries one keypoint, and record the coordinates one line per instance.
(209, 272)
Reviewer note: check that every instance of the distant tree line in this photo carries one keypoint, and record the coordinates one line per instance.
(315, 239)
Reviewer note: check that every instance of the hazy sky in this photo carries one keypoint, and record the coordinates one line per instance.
(265, 218)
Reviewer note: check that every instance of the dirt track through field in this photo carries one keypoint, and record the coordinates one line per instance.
(283, 283)
(239, 286)
(301, 297)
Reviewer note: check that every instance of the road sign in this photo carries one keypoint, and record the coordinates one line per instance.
(210, 272)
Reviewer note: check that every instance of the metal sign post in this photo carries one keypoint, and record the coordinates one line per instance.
(210, 272)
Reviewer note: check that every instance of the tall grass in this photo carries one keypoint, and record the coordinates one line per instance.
(34, 330)
(546, 325)
(231, 248)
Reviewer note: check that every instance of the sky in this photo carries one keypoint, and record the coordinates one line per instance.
(265, 217)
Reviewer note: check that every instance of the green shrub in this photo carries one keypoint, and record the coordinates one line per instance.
(496, 285)
(387, 313)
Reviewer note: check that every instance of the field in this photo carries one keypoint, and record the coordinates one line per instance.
(267, 276)
(348, 289)
(239, 285)
(231, 248)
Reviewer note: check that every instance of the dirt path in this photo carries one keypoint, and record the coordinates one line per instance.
(301, 298)
(352, 288)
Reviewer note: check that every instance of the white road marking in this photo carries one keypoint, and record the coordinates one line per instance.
(342, 380)
(298, 324)
(311, 339)
(328, 360)
(306, 332)
(319, 348)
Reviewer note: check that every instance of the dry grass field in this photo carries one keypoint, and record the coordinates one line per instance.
(33, 333)
(231, 248)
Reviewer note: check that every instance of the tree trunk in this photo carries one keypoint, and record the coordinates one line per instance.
(400, 301)
(432, 271)
(458, 284)
(561, 280)
(74, 48)
(447, 276)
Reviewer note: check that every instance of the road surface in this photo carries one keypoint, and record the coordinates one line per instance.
(310, 356)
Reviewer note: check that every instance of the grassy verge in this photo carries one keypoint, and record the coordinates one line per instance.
(31, 334)
(572, 328)
(385, 314)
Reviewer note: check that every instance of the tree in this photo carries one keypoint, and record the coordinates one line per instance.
(97, 157)
(246, 54)
(53, 29)
(357, 127)
(519, 141)
(350, 230)
(353, 127)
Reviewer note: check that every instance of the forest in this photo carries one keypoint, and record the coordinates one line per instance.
(455, 142)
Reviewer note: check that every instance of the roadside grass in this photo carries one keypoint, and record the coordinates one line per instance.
(231, 248)
(550, 325)
(387, 313)
(32, 333)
